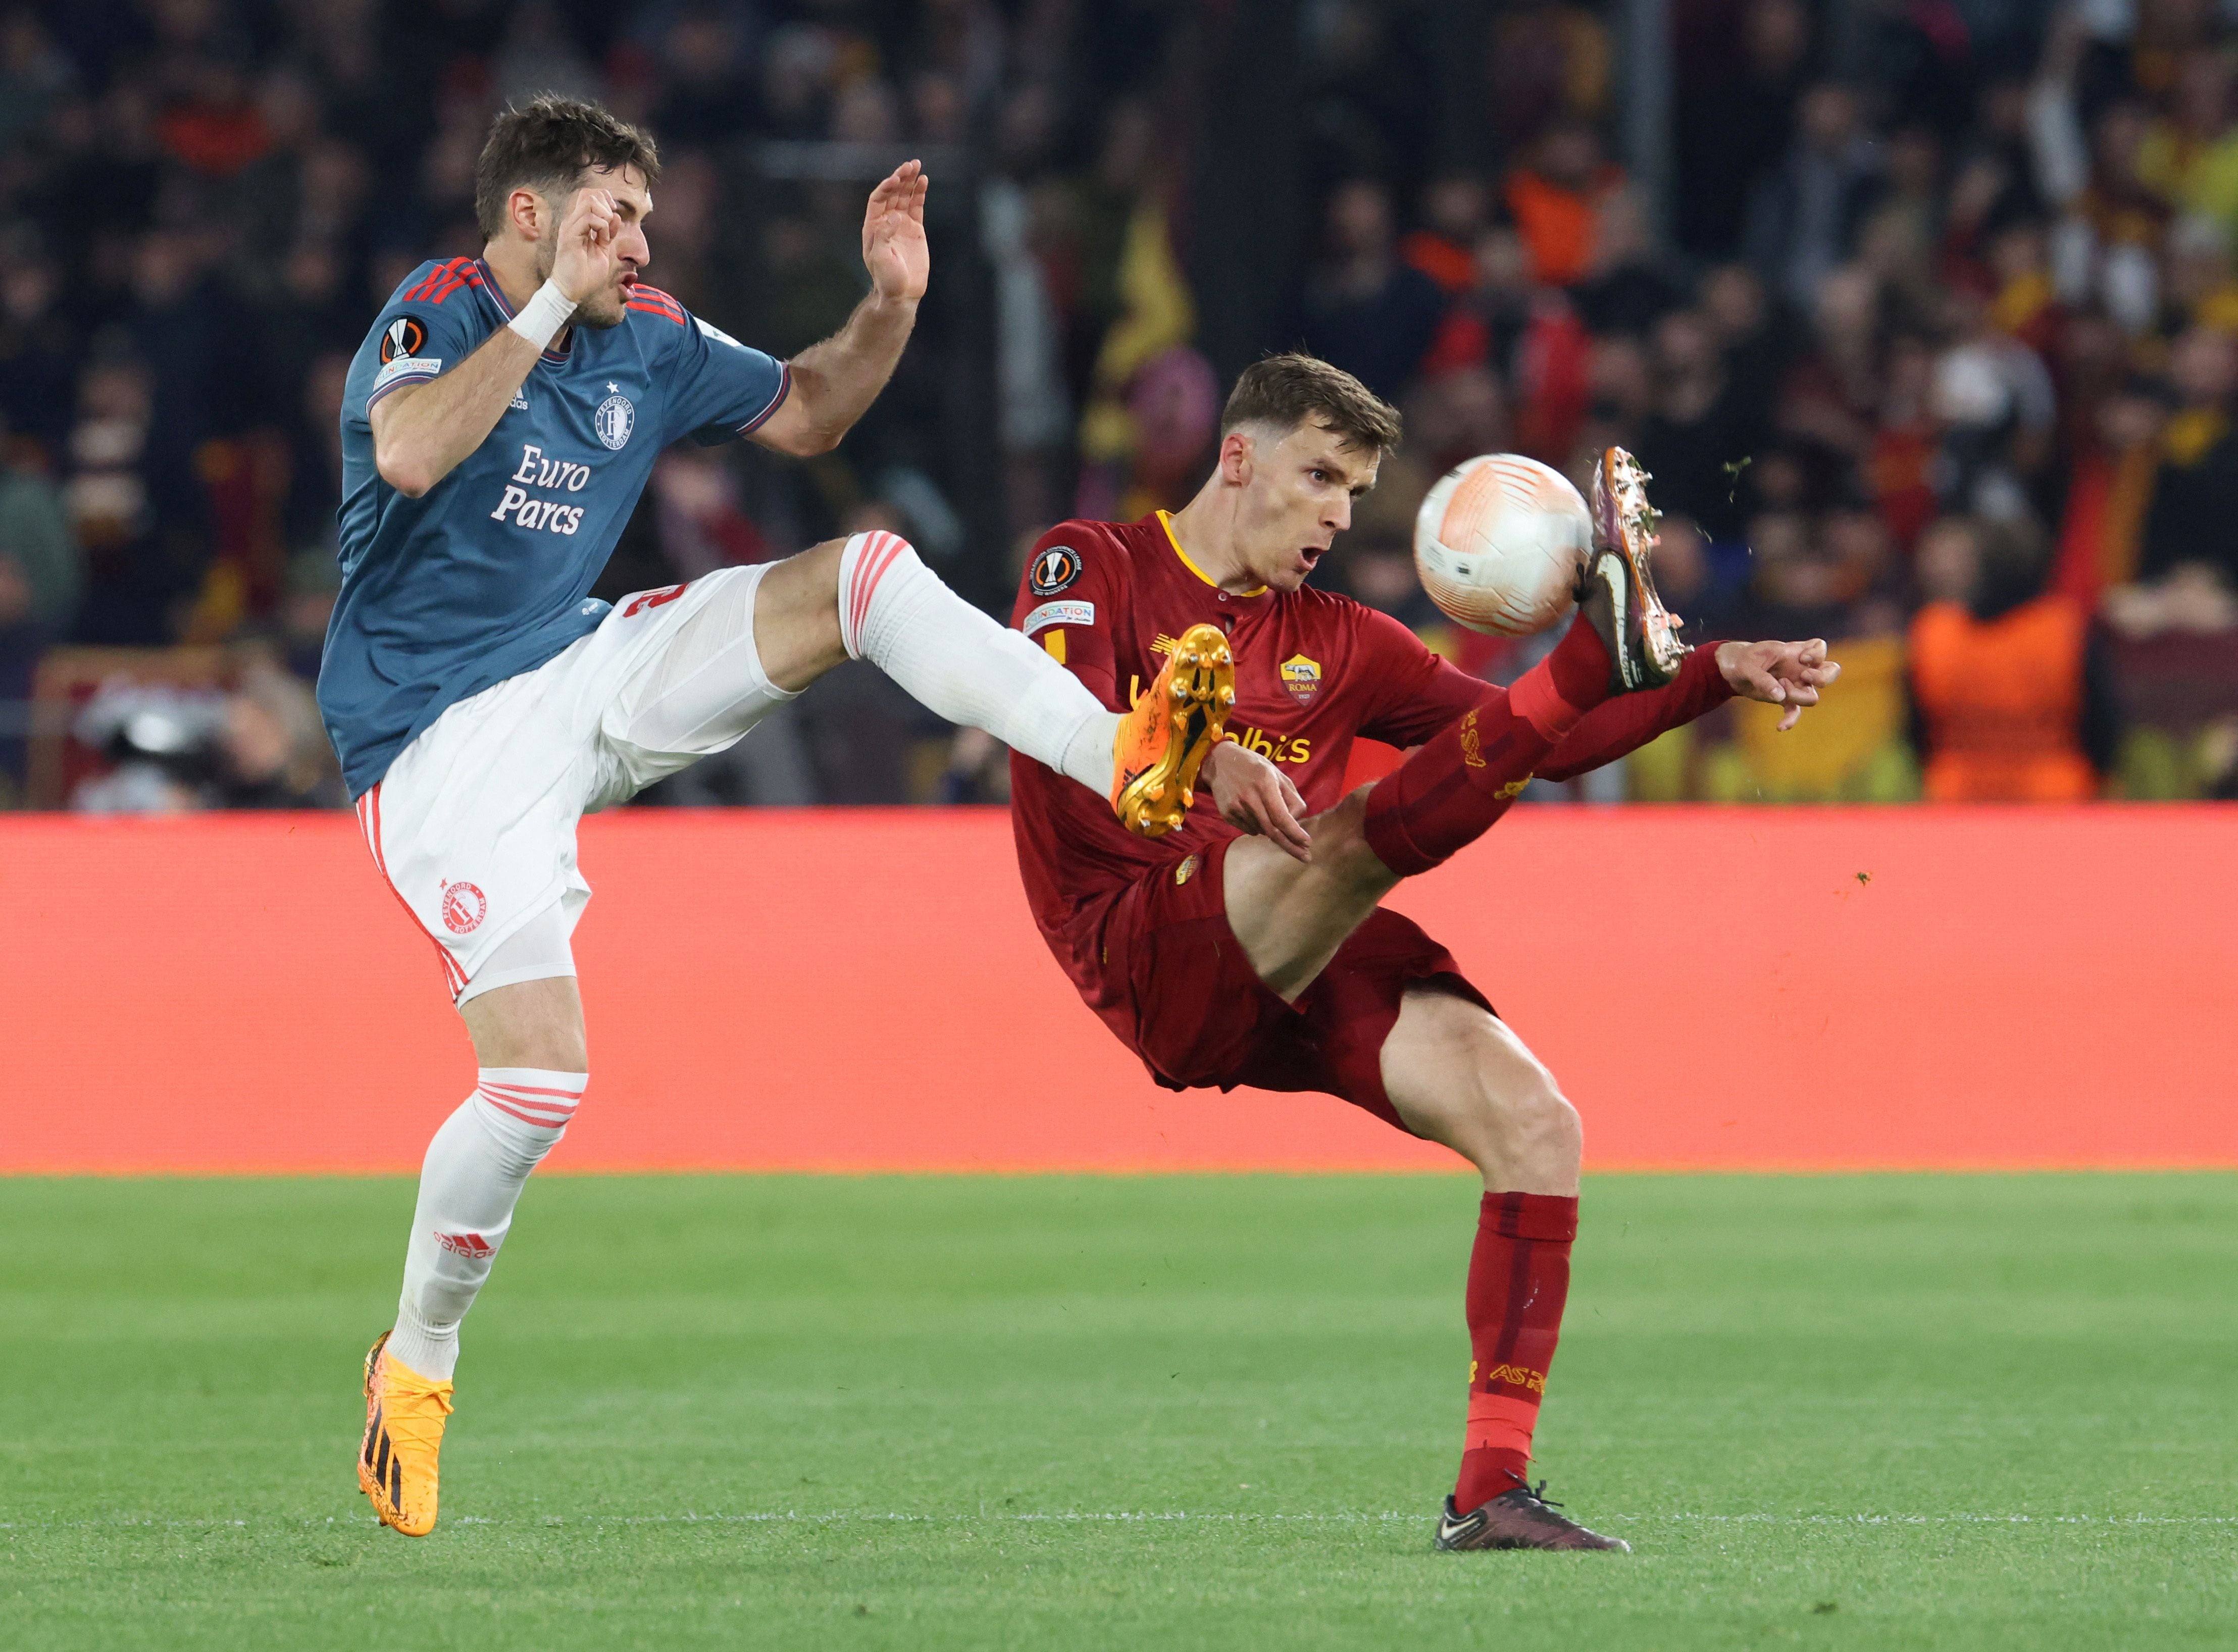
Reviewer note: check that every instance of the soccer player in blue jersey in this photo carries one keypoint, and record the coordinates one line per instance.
(499, 421)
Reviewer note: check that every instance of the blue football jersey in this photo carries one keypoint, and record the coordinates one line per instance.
(489, 574)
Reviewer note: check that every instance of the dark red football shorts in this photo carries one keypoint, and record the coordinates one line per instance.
(1180, 993)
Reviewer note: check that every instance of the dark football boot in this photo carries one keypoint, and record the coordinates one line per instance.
(1616, 594)
(1519, 1518)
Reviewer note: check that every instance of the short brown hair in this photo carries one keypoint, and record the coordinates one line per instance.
(1286, 390)
(547, 144)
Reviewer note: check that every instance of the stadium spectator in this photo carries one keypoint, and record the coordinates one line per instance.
(2194, 501)
(1627, 286)
(1555, 198)
(1366, 310)
(1804, 217)
(1735, 108)
(1444, 249)
(2009, 693)
(271, 751)
(134, 579)
(41, 580)
(1698, 428)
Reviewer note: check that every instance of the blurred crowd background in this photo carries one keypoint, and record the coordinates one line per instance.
(1924, 314)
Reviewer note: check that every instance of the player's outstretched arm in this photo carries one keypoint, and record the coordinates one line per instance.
(1789, 674)
(421, 433)
(834, 382)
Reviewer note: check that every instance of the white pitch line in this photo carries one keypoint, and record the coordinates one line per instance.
(1135, 1515)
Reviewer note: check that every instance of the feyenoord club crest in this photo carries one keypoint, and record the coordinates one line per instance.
(464, 908)
(615, 418)
(1302, 677)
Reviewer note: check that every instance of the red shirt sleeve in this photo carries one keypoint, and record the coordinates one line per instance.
(1630, 720)
(1416, 692)
(1067, 603)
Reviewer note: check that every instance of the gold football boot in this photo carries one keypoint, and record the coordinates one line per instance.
(404, 1418)
(1616, 593)
(1162, 743)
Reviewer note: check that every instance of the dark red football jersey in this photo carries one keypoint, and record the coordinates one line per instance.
(1312, 672)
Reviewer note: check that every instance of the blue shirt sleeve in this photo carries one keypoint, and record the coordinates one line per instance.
(721, 388)
(428, 328)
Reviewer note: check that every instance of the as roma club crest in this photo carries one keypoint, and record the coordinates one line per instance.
(1302, 677)
(1053, 570)
(402, 339)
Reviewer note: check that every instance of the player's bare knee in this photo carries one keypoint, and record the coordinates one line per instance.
(797, 617)
(536, 1023)
(1539, 1123)
(1520, 1129)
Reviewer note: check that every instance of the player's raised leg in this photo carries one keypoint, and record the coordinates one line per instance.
(871, 597)
(1292, 915)
(1459, 1076)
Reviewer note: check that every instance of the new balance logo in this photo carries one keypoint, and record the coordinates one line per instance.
(473, 1245)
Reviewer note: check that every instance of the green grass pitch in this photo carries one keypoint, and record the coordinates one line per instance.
(1966, 1413)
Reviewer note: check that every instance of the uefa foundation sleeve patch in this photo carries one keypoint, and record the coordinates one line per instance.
(1058, 613)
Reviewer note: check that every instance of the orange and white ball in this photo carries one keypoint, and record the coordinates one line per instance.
(1500, 542)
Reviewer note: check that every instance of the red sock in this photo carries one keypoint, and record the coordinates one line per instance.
(1518, 1278)
(1467, 776)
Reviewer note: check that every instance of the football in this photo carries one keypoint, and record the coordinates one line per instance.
(1498, 544)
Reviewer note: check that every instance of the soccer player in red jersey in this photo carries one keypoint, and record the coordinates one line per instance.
(1249, 947)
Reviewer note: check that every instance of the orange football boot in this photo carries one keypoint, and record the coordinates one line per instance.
(1163, 742)
(404, 1418)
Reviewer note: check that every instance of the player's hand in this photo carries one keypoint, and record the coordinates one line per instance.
(587, 262)
(894, 249)
(1789, 674)
(1255, 797)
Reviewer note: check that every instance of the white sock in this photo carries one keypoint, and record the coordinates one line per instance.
(476, 1167)
(895, 613)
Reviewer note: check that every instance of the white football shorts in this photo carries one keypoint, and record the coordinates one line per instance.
(474, 825)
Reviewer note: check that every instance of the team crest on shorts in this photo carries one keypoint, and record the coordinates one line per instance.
(464, 908)
(1302, 677)
(616, 418)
